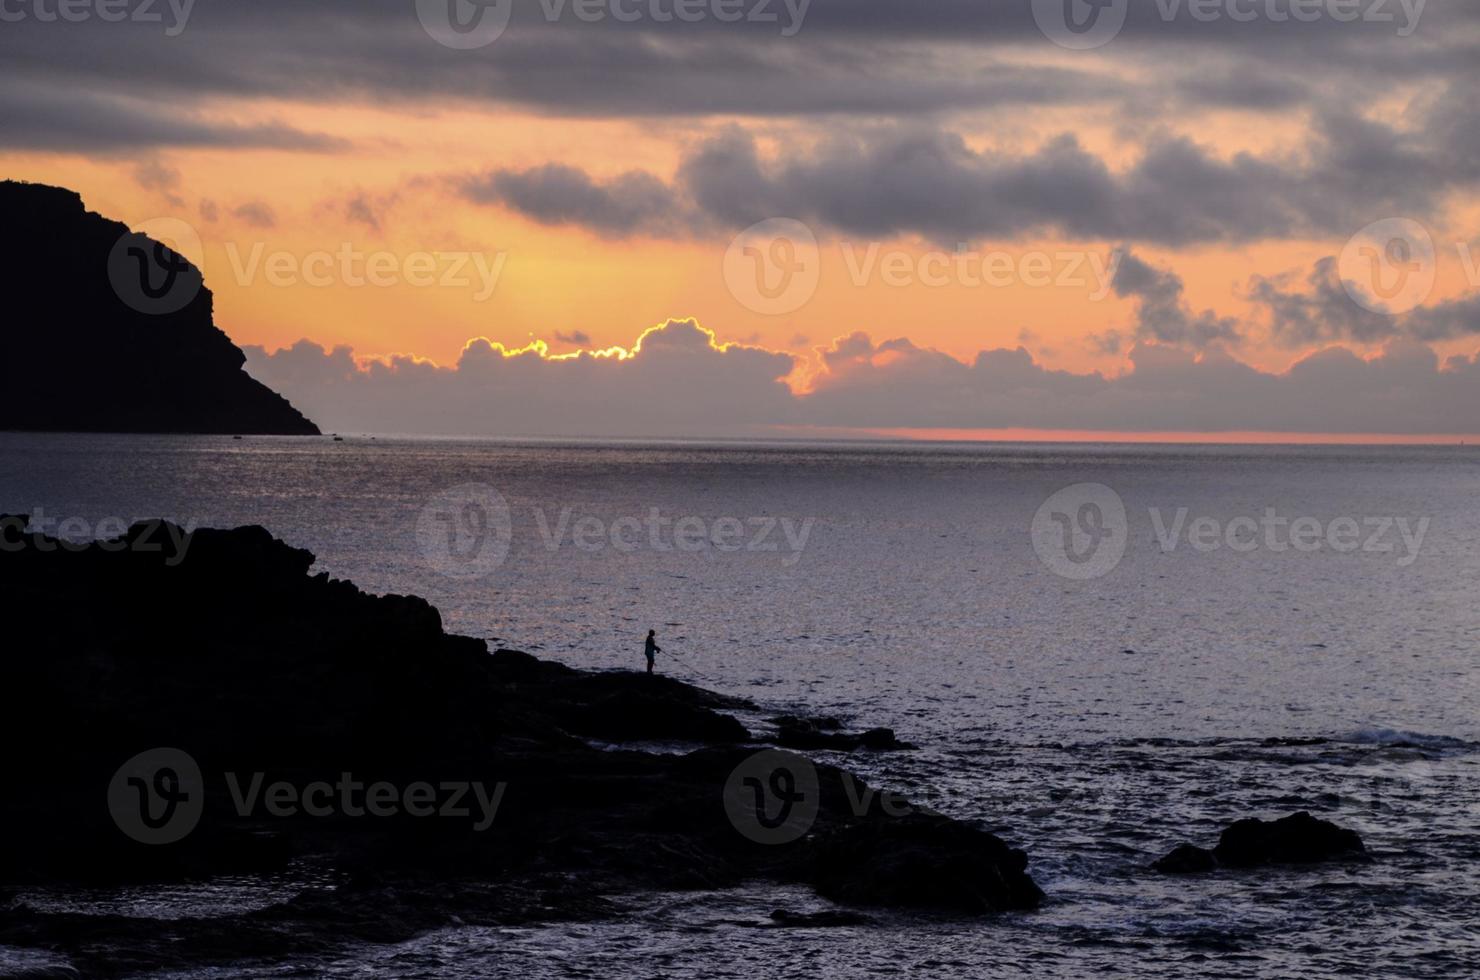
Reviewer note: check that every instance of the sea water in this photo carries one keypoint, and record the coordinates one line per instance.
(1100, 652)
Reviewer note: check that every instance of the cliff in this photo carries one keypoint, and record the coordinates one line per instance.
(106, 330)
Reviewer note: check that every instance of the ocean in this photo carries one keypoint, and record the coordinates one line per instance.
(1100, 651)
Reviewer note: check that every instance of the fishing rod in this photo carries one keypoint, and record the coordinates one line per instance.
(702, 676)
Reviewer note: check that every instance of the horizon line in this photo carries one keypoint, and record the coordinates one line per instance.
(943, 436)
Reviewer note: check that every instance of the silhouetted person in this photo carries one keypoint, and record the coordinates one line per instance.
(650, 648)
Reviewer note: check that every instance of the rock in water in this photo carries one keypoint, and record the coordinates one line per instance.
(1294, 840)
(107, 330)
(1297, 839)
(795, 732)
(925, 861)
(1187, 859)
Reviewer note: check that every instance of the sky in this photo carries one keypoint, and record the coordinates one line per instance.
(1139, 219)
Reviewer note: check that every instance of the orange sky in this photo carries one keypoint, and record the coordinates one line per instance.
(372, 240)
(568, 280)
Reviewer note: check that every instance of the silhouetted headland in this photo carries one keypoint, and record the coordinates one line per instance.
(109, 331)
(224, 646)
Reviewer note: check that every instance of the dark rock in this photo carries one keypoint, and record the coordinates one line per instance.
(796, 732)
(1186, 859)
(924, 861)
(825, 723)
(628, 716)
(516, 666)
(164, 367)
(622, 706)
(881, 739)
(1297, 839)
(226, 646)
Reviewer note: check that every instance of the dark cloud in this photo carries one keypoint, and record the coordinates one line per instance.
(864, 57)
(100, 87)
(155, 175)
(573, 338)
(1325, 312)
(359, 51)
(559, 195)
(1162, 314)
(34, 117)
(917, 180)
(1235, 86)
(868, 385)
(152, 174)
(359, 210)
(255, 213)
(1445, 321)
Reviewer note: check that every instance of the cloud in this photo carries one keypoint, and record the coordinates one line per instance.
(360, 210)
(1402, 391)
(255, 213)
(916, 179)
(678, 380)
(52, 118)
(573, 338)
(675, 379)
(155, 175)
(1450, 320)
(373, 50)
(634, 202)
(1163, 316)
(1324, 312)
(865, 57)
(98, 87)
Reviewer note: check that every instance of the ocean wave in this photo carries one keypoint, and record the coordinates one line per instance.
(1397, 738)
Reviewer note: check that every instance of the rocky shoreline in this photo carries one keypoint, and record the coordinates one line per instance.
(201, 705)
(204, 704)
